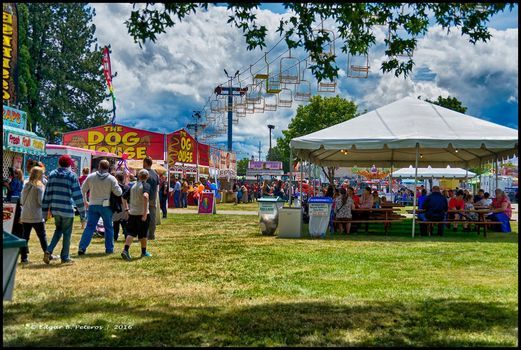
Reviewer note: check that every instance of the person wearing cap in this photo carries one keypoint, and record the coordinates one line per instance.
(62, 193)
(100, 185)
(138, 199)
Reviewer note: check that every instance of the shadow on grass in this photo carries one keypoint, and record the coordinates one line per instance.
(433, 322)
(402, 233)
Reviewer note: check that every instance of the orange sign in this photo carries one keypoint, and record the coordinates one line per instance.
(118, 139)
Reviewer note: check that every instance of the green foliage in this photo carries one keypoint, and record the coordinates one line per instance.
(242, 165)
(61, 78)
(319, 113)
(353, 21)
(450, 103)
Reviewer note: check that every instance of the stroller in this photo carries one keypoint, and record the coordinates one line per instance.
(100, 229)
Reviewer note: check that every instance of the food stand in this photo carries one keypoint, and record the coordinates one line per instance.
(18, 143)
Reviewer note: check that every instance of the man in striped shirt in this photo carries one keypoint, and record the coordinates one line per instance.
(61, 194)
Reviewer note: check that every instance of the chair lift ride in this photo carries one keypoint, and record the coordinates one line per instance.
(303, 88)
(289, 70)
(285, 97)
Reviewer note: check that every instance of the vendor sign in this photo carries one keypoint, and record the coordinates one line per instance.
(8, 210)
(22, 141)
(118, 139)
(10, 53)
(183, 149)
(14, 117)
(207, 203)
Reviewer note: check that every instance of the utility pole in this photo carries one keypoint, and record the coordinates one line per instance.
(197, 116)
(230, 91)
(270, 127)
(259, 151)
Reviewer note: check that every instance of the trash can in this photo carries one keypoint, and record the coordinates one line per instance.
(290, 222)
(12, 245)
(319, 215)
(269, 214)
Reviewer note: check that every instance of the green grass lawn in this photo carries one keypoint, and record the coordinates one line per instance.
(242, 206)
(215, 281)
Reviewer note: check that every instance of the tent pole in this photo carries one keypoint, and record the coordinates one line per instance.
(309, 175)
(415, 182)
(497, 171)
(301, 179)
(391, 182)
(290, 176)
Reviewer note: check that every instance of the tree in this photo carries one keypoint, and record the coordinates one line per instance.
(450, 103)
(242, 165)
(319, 113)
(353, 23)
(61, 78)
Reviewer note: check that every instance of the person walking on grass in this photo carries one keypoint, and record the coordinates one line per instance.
(153, 181)
(163, 194)
(31, 215)
(62, 193)
(138, 199)
(100, 184)
(119, 218)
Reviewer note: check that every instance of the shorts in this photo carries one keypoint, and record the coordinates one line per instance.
(137, 227)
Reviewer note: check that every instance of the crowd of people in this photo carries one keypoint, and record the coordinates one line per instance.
(119, 198)
(437, 206)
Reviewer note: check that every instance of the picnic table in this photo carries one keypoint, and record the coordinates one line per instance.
(482, 220)
(375, 215)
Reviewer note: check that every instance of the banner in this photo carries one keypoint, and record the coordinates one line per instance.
(118, 139)
(228, 165)
(269, 165)
(182, 149)
(207, 203)
(10, 53)
(215, 158)
(107, 71)
(14, 117)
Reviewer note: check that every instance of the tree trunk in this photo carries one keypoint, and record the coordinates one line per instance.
(330, 174)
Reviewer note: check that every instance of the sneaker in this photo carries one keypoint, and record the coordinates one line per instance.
(81, 252)
(147, 254)
(126, 255)
(25, 262)
(67, 261)
(47, 258)
(53, 257)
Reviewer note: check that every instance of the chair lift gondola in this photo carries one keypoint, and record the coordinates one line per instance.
(285, 97)
(303, 88)
(273, 84)
(264, 73)
(271, 102)
(326, 85)
(289, 70)
(259, 106)
(358, 66)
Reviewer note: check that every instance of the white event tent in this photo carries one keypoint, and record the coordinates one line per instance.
(404, 132)
(437, 173)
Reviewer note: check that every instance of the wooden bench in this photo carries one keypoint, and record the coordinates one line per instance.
(445, 222)
(385, 222)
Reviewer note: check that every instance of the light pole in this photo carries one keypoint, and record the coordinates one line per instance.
(271, 127)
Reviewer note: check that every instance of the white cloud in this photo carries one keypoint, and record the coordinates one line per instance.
(159, 86)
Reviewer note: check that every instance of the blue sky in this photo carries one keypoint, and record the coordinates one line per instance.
(158, 87)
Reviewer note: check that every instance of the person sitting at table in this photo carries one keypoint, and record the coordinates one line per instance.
(352, 194)
(383, 201)
(366, 201)
(470, 216)
(376, 200)
(435, 208)
(456, 203)
(421, 198)
(486, 201)
(478, 197)
(450, 195)
(343, 206)
(501, 211)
